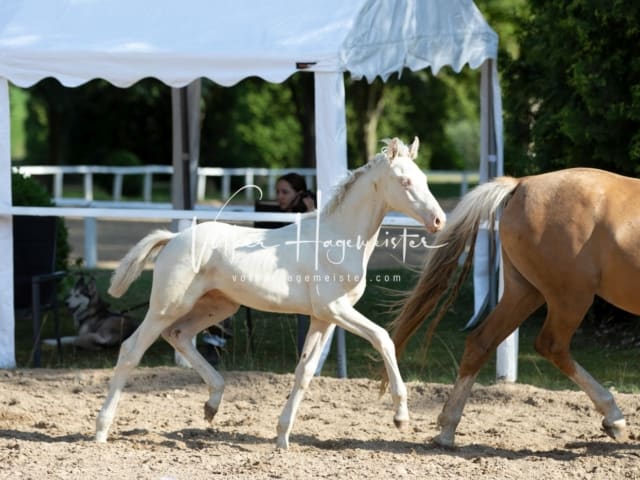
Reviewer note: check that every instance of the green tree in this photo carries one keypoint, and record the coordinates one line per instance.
(87, 124)
(365, 107)
(573, 94)
(303, 97)
(413, 104)
(253, 124)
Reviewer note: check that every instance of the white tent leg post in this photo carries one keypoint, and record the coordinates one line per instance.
(507, 352)
(7, 315)
(491, 165)
(90, 242)
(331, 158)
(507, 358)
(185, 107)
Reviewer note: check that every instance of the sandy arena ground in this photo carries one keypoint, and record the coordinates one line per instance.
(343, 430)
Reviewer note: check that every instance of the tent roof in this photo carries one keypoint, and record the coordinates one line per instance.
(124, 41)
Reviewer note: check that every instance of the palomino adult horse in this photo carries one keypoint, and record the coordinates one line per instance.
(566, 237)
(316, 266)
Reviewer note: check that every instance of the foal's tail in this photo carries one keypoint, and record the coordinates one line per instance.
(132, 264)
(461, 229)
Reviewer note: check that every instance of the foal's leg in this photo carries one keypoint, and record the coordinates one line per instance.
(519, 300)
(317, 336)
(131, 352)
(344, 315)
(208, 311)
(553, 342)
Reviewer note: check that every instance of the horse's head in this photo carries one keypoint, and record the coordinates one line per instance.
(405, 186)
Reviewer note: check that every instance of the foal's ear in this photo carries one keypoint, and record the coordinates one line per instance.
(392, 149)
(413, 150)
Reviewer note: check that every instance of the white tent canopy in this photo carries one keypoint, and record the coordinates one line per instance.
(124, 41)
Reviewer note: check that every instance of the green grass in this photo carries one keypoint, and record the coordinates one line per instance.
(275, 344)
(161, 192)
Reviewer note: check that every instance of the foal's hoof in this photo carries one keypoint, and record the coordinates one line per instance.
(616, 430)
(102, 428)
(401, 424)
(209, 412)
(282, 443)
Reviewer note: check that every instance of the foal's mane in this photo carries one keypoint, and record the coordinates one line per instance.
(345, 185)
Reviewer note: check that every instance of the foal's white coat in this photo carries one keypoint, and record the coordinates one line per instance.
(316, 266)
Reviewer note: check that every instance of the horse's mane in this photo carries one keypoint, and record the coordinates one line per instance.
(352, 177)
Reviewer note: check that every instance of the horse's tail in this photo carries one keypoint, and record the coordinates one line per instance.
(133, 262)
(481, 204)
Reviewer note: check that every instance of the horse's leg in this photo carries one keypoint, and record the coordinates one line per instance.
(131, 352)
(318, 334)
(344, 315)
(520, 299)
(207, 312)
(553, 343)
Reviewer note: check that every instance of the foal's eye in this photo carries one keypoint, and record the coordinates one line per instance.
(405, 182)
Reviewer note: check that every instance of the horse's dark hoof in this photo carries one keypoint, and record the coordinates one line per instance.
(209, 412)
(444, 440)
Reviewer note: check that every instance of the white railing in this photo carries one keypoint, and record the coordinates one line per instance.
(91, 210)
(249, 175)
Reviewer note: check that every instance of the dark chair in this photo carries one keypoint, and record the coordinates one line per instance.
(267, 206)
(34, 276)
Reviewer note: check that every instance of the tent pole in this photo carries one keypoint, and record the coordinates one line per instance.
(507, 351)
(7, 314)
(187, 203)
(331, 162)
(185, 108)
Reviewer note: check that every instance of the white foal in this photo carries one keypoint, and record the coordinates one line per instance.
(316, 266)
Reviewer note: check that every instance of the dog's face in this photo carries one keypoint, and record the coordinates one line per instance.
(81, 294)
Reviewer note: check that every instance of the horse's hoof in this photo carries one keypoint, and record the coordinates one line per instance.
(442, 440)
(282, 443)
(616, 430)
(101, 437)
(209, 412)
(401, 424)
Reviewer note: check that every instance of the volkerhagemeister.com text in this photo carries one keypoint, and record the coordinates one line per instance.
(320, 278)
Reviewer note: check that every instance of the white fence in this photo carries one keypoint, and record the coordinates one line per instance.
(250, 176)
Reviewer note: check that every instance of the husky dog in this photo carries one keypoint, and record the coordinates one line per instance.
(97, 327)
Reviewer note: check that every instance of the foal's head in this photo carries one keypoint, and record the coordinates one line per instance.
(405, 187)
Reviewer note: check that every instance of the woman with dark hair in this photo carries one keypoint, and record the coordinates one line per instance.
(292, 194)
